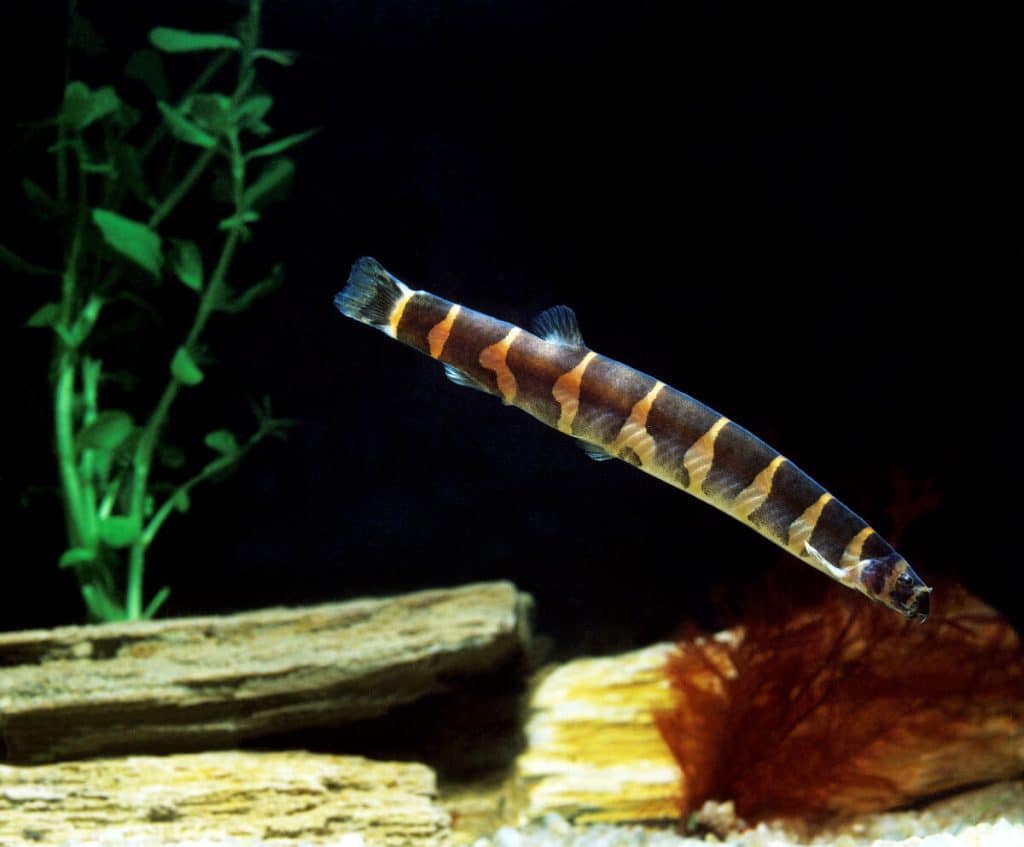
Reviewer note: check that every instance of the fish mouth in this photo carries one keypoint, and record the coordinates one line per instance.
(920, 606)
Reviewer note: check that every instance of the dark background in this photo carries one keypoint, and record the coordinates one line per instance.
(777, 211)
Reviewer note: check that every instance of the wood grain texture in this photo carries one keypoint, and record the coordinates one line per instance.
(188, 684)
(593, 750)
(265, 798)
(904, 713)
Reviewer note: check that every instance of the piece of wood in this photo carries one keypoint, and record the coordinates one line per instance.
(593, 751)
(189, 684)
(596, 752)
(266, 798)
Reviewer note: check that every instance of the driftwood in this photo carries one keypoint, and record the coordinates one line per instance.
(593, 750)
(266, 798)
(200, 683)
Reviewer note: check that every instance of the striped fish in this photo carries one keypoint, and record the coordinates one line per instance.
(619, 412)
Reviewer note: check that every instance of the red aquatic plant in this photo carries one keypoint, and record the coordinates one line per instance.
(844, 707)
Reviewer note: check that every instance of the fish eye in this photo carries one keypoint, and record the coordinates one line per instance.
(905, 580)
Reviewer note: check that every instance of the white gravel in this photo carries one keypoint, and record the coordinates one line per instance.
(554, 831)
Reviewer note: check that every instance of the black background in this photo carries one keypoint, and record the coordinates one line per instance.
(780, 212)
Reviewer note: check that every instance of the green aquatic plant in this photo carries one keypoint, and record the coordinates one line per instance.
(119, 177)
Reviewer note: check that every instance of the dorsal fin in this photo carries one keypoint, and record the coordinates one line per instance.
(558, 324)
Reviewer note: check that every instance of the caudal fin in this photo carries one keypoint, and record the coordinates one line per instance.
(371, 293)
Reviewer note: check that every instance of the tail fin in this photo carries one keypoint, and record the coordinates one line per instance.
(371, 294)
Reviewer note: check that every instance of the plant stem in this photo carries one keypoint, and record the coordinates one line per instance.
(141, 462)
(212, 468)
(143, 456)
(87, 470)
(63, 406)
(66, 364)
(208, 73)
(181, 188)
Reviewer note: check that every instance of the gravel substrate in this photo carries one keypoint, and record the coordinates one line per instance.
(991, 816)
(554, 831)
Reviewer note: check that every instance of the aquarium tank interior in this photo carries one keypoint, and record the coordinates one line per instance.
(759, 206)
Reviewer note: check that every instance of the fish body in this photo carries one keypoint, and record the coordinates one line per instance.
(620, 412)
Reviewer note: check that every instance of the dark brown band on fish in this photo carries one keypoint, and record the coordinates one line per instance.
(608, 392)
(417, 315)
(793, 494)
(540, 367)
(675, 422)
(739, 458)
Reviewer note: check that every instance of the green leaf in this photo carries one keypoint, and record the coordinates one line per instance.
(212, 112)
(126, 118)
(82, 35)
(281, 144)
(239, 221)
(281, 57)
(154, 605)
(254, 109)
(75, 105)
(181, 501)
(13, 260)
(45, 316)
(147, 66)
(187, 263)
(82, 106)
(104, 168)
(271, 282)
(132, 239)
(171, 455)
(76, 557)
(184, 368)
(40, 198)
(119, 530)
(250, 114)
(183, 129)
(182, 41)
(268, 425)
(107, 432)
(258, 128)
(129, 172)
(273, 179)
(101, 606)
(222, 440)
(86, 321)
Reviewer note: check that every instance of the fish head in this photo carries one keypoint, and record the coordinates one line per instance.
(890, 580)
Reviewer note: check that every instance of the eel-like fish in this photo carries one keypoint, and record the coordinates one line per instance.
(620, 412)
